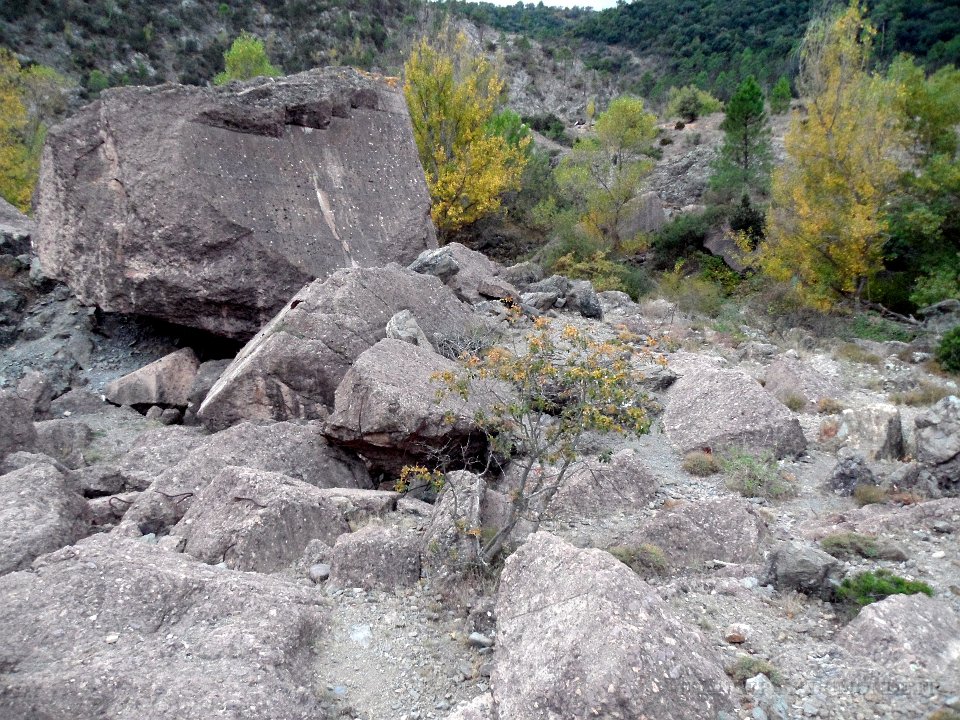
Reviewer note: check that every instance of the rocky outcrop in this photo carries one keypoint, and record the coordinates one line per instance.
(210, 207)
(39, 513)
(719, 409)
(122, 629)
(581, 635)
(293, 366)
(792, 381)
(598, 489)
(795, 566)
(470, 274)
(643, 214)
(298, 451)
(257, 521)
(387, 408)
(166, 381)
(448, 547)
(64, 440)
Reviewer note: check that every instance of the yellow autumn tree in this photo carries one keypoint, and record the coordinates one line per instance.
(826, 226)
(17, 174)
(452, 94)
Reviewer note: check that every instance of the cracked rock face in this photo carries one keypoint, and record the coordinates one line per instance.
(211, 207)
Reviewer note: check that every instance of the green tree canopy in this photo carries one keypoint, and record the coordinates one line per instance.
(743, 163)
(780, 96)
(246, 59)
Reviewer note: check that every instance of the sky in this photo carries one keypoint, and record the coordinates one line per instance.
(595, 4)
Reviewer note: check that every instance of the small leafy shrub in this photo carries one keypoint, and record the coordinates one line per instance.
(867, 327)
(749, 220)
(940, 283)
(854, 353)
(948, 354)
(683, 235)
(795, 401)
(644, 560)
(604, 273)
(926, 394)
(692, 294)
(701, 463)
(747, 667)
(690, 102)
(245, 59)
(714, 270)
(757, 476)
(848, 545)
(874, 585)
(829, 406)
(865, 494)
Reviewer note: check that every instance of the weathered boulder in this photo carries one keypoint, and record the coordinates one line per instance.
(253, 189)
(873, 430)
(15, 230)
(938, 441)
(387, 407)
(166, 381)
(16, 424)
(39, 513)
(257, 521)
(598, 489)
(448, 546)
(581, 635)
(790, 380)
(122, 629)
(850, 471)
(404, 326)
(522, 275)
(293, 366)
(36, 390)
(470, 274)
(692, 534)
(795, 566)
(64, 440)
(376, 556)
(903, 631)
(717, 408)
(207, 375)
(298, 451)
(643, 214)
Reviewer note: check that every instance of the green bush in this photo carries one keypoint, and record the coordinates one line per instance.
(939, 283)
(757, 475)
(948, 354)
(700, 463)
(245, 59)
(690, 102)
(683, 235)
(868, 327)
(747, 219)
(874, 585)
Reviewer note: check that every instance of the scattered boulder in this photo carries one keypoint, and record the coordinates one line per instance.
(15, 230)
(123, 629)
(298, 451)
(522, 275)
(39, 513)
(873, 430)
(16, 424)
(692, 534)
(904, 631)
(64, 440)
(795, 566)
(376, 556)
(790, 380)
(387, 407)
(207, 375)
(292, 368)
(256, 189)
(767, 698)
(448, 548)
(76, 401)
(404, 326)
(851, 470)
(475, 277)
(584, 300)
(643, 214)
(581, 635)
(36, 390)
(722, 409)
(599, 489)
(164, 382)
(257, 521)
(938, 442)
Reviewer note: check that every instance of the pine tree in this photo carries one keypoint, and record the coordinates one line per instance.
(780, 96)
(245, 59)
(744, 160)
